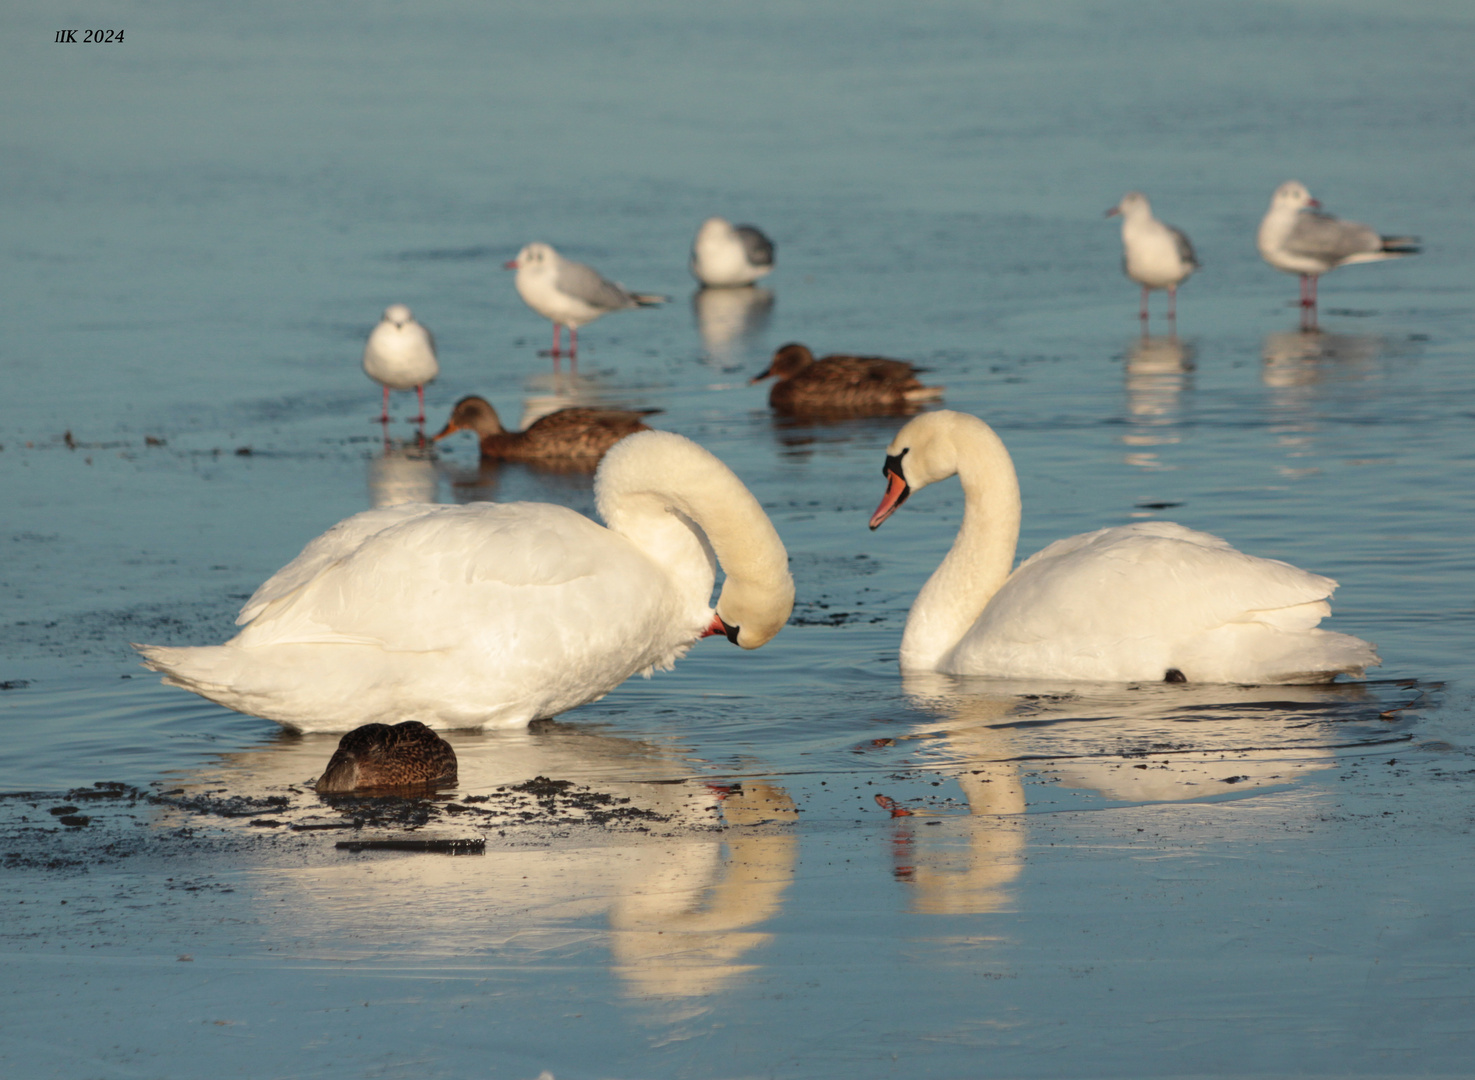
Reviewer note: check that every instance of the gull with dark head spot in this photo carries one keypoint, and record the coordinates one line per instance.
(726, 255)
(400, 355)
(1154, 254)
(569, 293)
(1296, 237)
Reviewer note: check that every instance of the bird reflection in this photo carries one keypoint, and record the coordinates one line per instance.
(1295, 358)
(682, 905)
(1129, 744)
(680, 937)
(728, 319)
(548, 393)
(403, 473)
(1158, 372)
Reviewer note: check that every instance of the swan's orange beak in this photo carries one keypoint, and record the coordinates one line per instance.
(717, 626)
(897, 491)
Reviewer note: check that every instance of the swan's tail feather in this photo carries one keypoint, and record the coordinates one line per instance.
(207, 670)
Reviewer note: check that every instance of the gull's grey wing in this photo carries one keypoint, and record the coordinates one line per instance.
(1185, 246)
(756, 246)
(583, 282)
(1322, 236)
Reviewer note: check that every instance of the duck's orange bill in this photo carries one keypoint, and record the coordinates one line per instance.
(896, 493)
(449, 429)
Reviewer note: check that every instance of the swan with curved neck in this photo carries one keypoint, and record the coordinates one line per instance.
(496, 614)
(1140, 602)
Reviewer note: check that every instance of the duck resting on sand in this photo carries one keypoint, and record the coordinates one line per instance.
(1150, 601)
(842, 383)
(497, 614)
(406, 757)
(577, 433)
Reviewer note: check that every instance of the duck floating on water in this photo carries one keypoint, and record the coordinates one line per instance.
(842, 384)
(576, 433)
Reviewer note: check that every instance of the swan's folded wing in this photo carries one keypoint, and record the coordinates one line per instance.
(1153, 579)
(338, 543)
(438, 580)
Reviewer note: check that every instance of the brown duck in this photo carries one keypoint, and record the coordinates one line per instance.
(843, 383)
(577, 433)
(406, 757)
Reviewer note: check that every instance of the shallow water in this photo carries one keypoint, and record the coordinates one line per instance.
(1094, 881)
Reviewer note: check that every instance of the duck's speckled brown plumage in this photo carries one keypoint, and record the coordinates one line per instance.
(843, 383)
(404, 757)
(574, 434)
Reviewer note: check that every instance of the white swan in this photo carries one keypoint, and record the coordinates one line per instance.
(492, 615)
(1137, 602)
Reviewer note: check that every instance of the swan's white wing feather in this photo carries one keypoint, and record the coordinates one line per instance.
(469, 572)
(338, 543)
(1133, 601)
(1155, 578)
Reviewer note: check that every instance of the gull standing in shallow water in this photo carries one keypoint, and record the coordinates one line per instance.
(1155, 255)
(1297, 238)
(400, 355)
(568, 293)
(726, 255)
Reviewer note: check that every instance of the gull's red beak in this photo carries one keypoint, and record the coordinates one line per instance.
(1316, 203)
(1114, 211)
(510, 264)
(897, 491)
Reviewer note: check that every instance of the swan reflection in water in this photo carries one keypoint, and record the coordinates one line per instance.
(681, 895)
(1074, 746)
(728, 319)
(1158, 372)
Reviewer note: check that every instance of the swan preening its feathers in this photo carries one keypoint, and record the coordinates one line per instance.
(1138, 602)
(496, 614)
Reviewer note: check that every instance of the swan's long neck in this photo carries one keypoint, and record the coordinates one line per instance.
(981, 557)
(688, 511)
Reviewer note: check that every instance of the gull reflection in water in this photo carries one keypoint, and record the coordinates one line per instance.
(1296, 358)
(1007, 744)
(403, 473)
(681, 872)
(1158, 372)
(728, 319)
